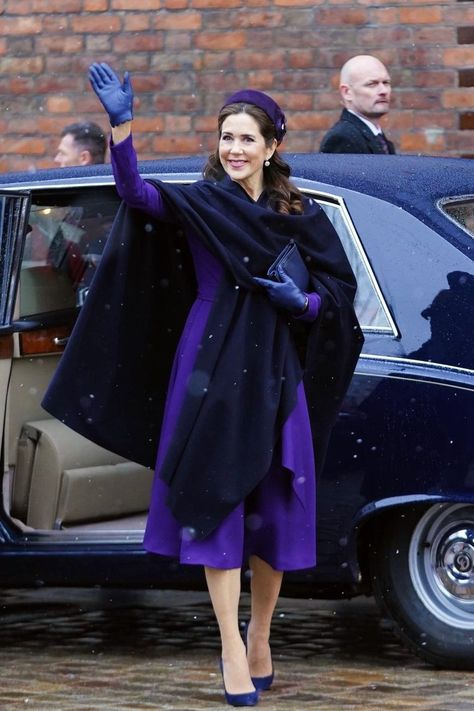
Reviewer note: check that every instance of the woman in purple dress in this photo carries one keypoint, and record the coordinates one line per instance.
(250, 493)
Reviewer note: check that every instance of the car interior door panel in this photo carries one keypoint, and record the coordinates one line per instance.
(6, 347)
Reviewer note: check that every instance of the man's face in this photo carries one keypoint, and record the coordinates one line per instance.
(70, 153)
(368, 90)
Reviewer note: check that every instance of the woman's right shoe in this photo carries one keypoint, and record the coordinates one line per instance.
(248, 699)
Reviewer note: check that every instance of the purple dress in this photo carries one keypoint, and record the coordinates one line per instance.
(277, 520)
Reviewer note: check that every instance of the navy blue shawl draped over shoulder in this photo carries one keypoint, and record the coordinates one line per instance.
(112, 378)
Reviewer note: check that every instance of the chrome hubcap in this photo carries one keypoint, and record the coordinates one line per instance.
(441, 562)
(455, 564)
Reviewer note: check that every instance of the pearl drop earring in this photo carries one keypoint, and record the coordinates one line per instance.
(267, 163)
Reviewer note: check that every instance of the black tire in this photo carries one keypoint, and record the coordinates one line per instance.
(422, 566)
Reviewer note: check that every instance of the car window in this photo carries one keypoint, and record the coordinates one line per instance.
(371, 310)
(461, 210)
(64, 246)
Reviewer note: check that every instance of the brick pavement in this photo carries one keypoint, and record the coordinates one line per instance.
(107, 651)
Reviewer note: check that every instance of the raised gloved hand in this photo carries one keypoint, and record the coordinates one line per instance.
(285, 294)
(116, 98)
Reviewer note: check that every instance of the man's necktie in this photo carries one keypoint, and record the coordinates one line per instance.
(383, 143)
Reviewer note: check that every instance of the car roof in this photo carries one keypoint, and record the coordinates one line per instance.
(414, 183)
(376, 175)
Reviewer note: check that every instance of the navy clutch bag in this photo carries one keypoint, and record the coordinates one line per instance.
(291, 261)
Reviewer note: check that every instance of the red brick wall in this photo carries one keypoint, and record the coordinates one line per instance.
(186, 55)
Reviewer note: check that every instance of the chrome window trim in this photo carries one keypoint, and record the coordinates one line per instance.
(15, 249)
(100, 538)
(463, 377)
(106, 181)
(332, 199)
(454, 198)
(414, 361)
(426, 363)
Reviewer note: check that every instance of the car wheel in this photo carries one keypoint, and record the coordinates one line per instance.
(422, 566)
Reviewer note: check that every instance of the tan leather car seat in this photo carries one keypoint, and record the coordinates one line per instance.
(62, 478)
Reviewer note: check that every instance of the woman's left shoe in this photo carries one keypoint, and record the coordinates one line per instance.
(248, 699)
(261, 683)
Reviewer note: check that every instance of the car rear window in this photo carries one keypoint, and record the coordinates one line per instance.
(461, 211)
(371, 309)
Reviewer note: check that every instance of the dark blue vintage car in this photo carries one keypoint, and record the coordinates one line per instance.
(396, 499)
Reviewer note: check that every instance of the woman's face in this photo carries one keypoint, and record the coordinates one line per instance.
(242, 152)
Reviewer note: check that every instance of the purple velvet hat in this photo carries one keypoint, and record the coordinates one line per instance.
(264, 102)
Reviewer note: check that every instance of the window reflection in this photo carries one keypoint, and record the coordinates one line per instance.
(63, 249)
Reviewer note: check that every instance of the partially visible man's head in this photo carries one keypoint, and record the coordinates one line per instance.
(365, 86)
(81, 144)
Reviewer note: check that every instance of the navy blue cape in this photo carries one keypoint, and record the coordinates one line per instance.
(112, 378)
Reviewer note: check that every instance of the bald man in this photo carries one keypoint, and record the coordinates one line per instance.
(365, 90)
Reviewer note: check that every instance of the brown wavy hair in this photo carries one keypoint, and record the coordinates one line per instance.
(283, 196)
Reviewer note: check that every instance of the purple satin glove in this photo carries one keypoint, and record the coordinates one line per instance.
(115, 97)
(285, 294)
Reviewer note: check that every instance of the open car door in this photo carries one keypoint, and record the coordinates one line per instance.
(14, 214)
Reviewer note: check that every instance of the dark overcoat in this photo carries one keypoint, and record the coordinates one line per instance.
(351, 135)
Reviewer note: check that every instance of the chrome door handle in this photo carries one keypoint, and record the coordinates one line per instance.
(60, 341)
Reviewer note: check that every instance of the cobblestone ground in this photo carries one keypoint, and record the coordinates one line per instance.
(108, 651)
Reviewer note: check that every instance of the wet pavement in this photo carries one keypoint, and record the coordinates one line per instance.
(94, 650)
